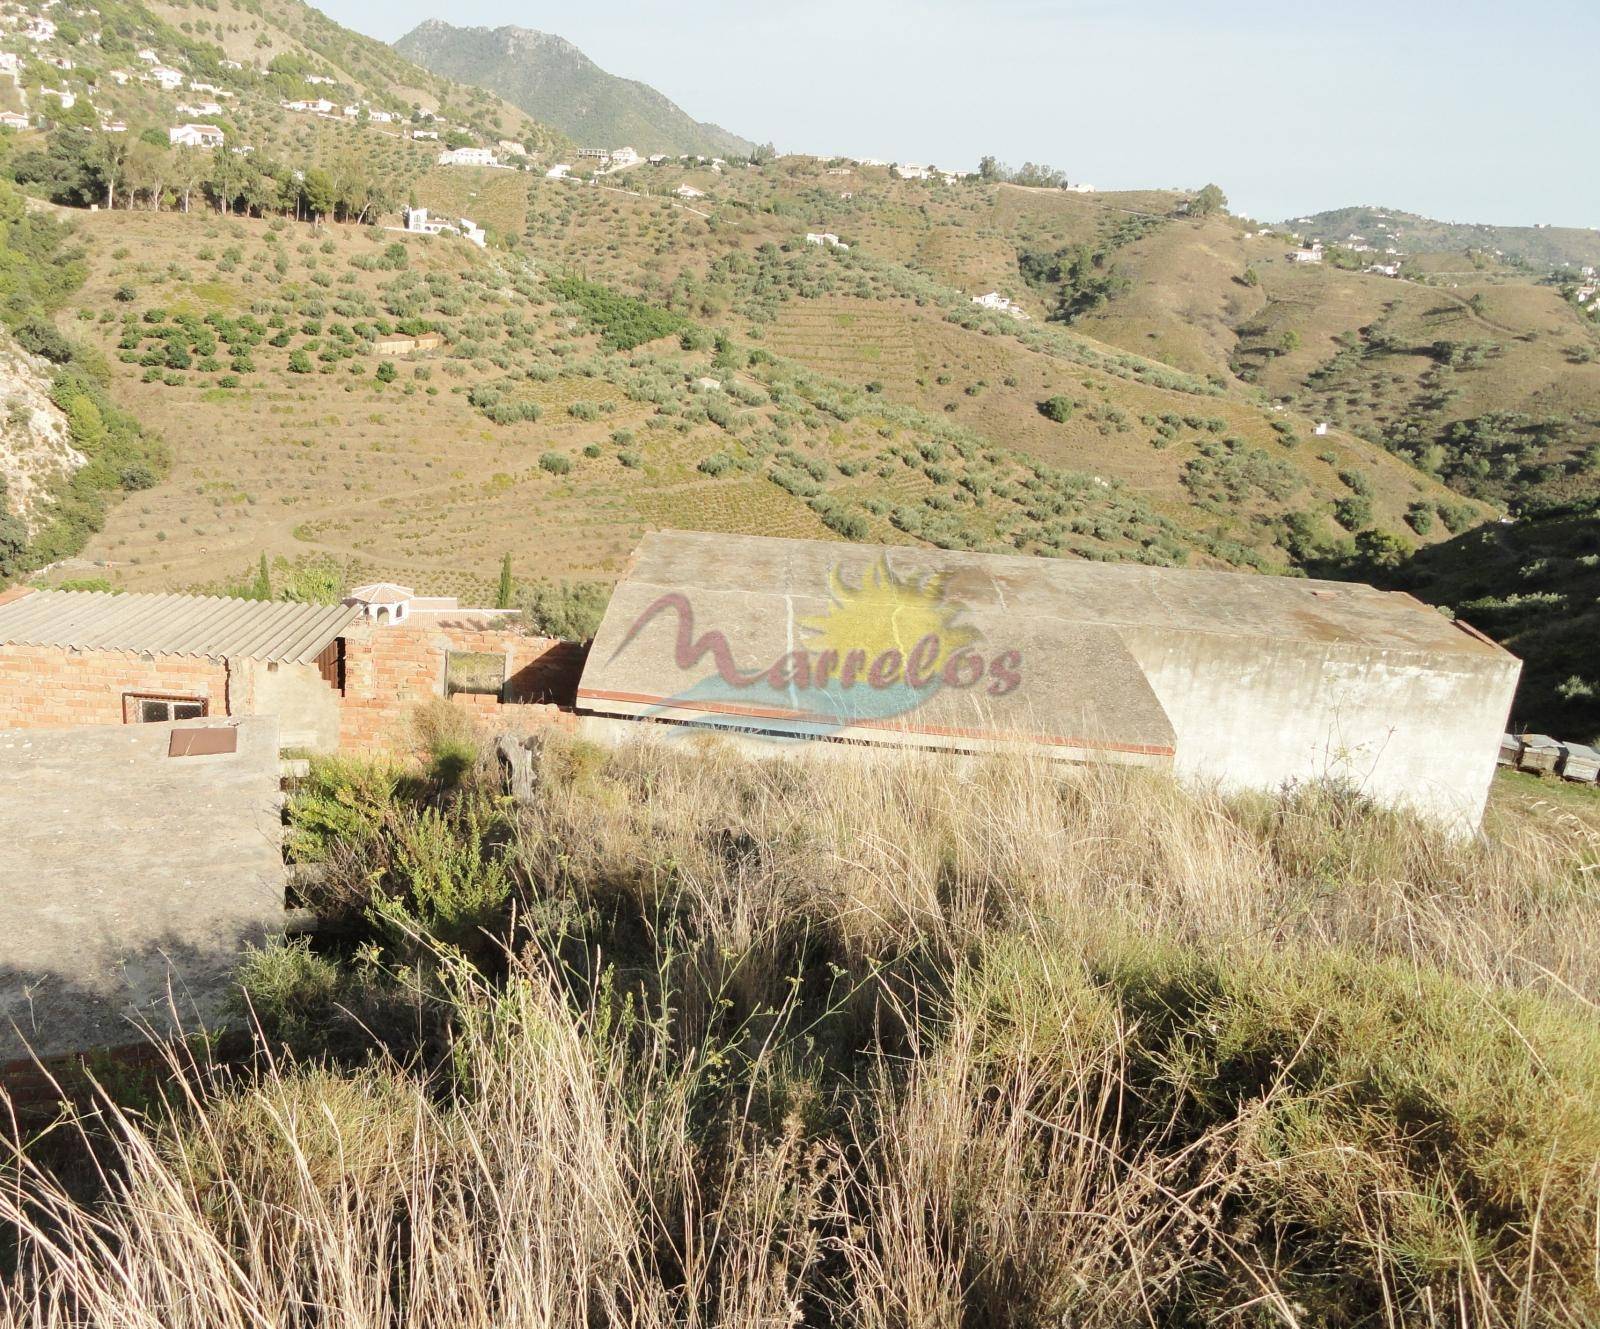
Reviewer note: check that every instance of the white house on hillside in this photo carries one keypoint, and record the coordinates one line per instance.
(199, 108)
(194, 136)
(1311, 254)
(623, 156)
(689, 191)
(1001, 304)
(169, 78)
(827, 238)
(467, 157)
(13, 120)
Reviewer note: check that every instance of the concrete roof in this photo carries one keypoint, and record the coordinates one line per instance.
(1068, 621)
(1072, 686)
(130, 874)
(212, 626)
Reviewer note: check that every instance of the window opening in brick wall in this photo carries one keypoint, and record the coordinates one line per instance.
(480, 673)
(160, 708)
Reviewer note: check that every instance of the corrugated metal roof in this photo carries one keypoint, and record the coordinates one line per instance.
(211, 626)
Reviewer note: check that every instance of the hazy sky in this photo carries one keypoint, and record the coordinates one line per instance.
(1467, 110)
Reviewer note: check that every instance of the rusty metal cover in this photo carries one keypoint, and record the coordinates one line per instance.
(207, 741)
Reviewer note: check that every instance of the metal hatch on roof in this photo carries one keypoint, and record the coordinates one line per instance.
(206, 741)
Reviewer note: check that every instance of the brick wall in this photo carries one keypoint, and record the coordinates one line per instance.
(47, 687)
(390, 671)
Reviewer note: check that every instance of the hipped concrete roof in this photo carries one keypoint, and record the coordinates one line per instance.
(209, 626)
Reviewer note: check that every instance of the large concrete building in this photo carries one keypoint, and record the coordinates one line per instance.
(1246, 681)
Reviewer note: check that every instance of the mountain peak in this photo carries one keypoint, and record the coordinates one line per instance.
(555, 82)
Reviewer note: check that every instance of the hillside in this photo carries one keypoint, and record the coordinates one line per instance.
(1534, 584)
(692, 1036)
(553, 81)
(712, 369)
(1537, 247)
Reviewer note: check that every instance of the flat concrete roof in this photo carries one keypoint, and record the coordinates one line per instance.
(1049, 634)
(129, 874)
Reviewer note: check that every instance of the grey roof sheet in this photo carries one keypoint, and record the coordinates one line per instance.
(210, 626)
(1118, 595)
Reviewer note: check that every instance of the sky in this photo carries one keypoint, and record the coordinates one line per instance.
(1464, 111)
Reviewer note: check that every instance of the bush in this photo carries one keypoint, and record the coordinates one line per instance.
(557, 463)
(570, 611)
(1057, 408)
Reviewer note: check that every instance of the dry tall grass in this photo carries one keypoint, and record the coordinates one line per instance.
(883, 1044)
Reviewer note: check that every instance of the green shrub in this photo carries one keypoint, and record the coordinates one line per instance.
(1058, 408)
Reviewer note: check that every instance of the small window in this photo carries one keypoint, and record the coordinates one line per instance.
(141, 708)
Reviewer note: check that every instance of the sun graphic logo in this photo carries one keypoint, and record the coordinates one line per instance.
(902, 624)
(885, 645)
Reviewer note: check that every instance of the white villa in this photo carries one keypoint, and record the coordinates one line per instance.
(911, 171)
(12, 120)
(1310, 254)
(827, 238)
(689, 191)
(1001, 304)
(67, 99)
(199, 108)
(560, 171)
(467, 157)
(169, 78)
(321, 106)
(624, 157)
(194, 136)
(418, 222)
(425, 133)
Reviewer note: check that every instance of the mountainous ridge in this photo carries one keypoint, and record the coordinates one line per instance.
(1536, 246)
(556, 83)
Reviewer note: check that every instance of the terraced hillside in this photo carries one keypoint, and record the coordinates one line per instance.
(629, 353)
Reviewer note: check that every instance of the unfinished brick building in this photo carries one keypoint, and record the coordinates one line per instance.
(335, 677)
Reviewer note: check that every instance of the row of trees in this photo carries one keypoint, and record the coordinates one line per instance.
(1033, 174)
(141, 170)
